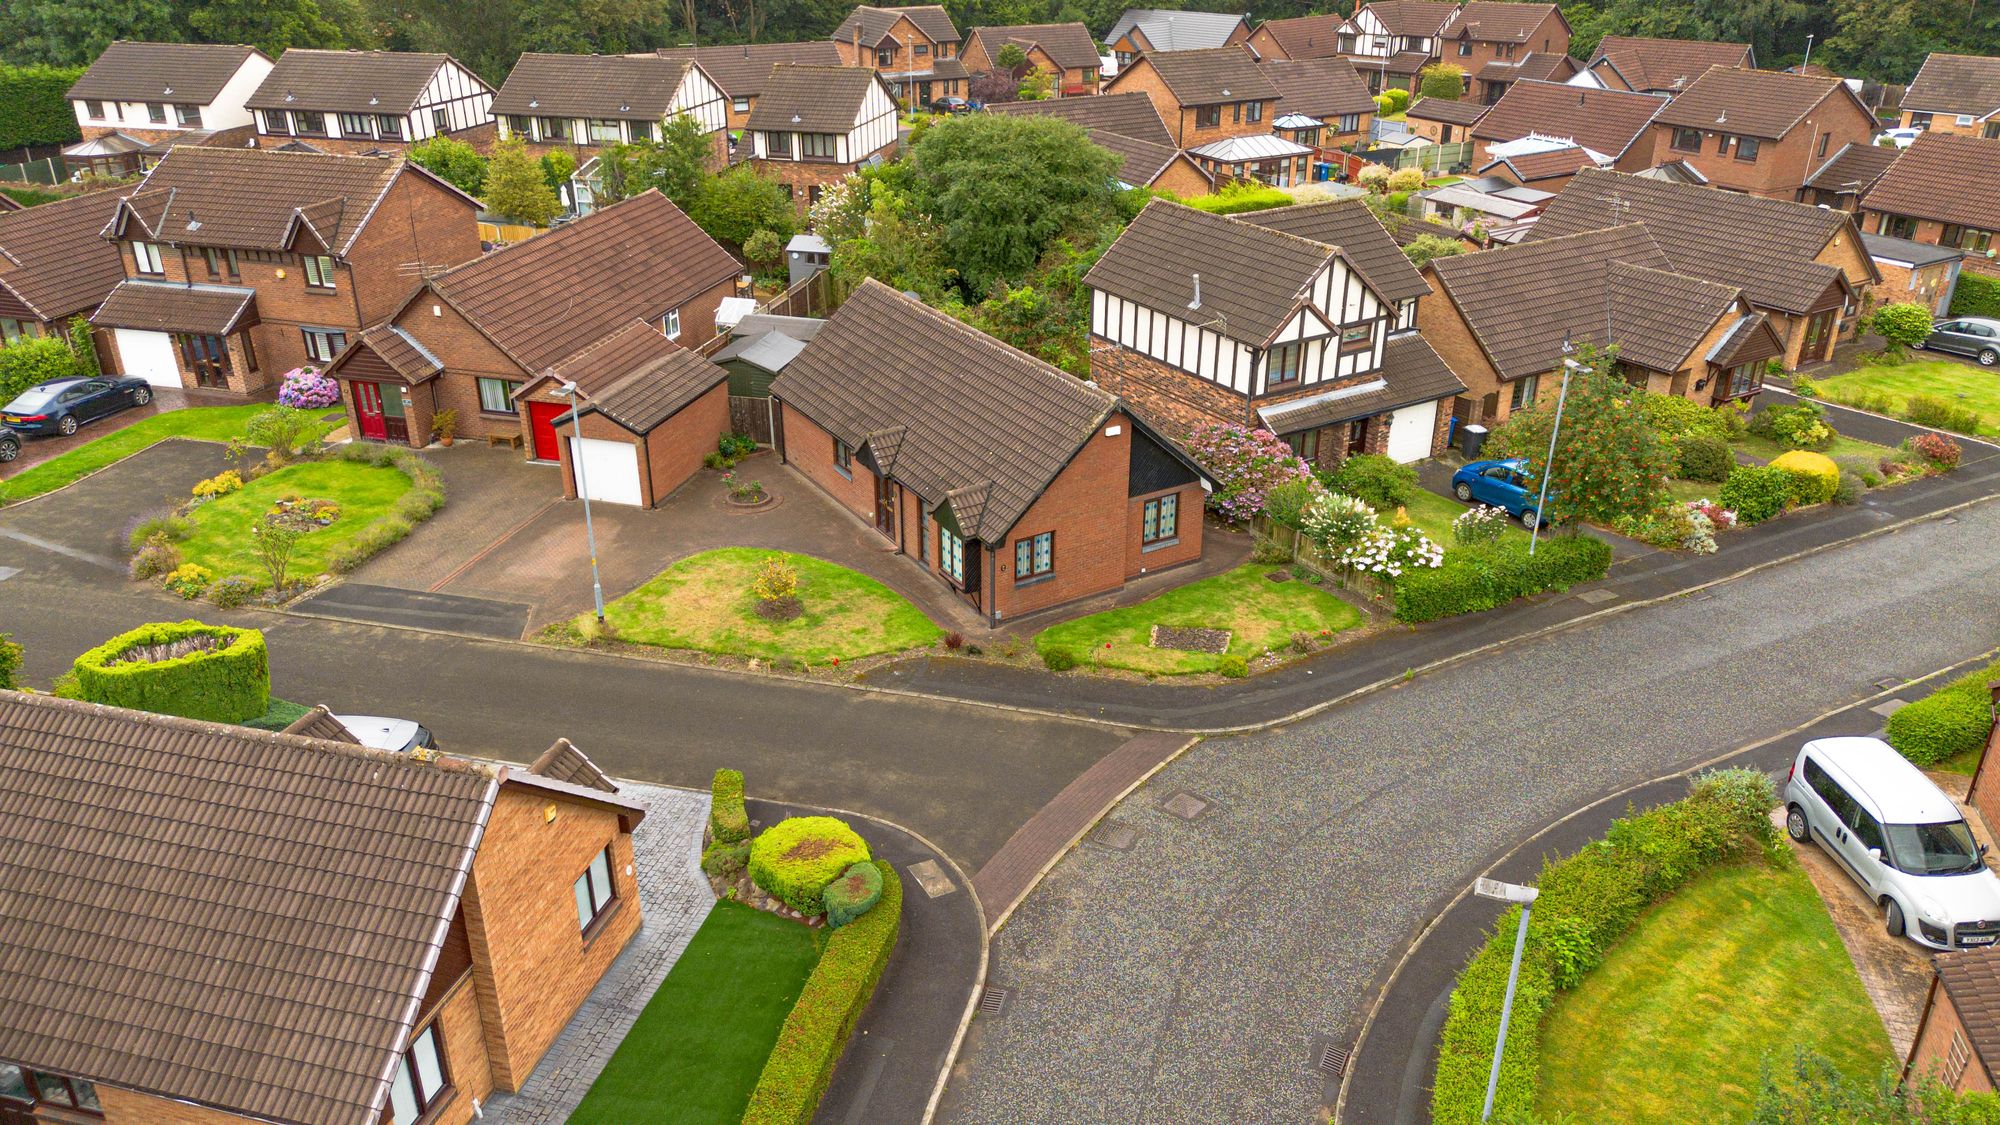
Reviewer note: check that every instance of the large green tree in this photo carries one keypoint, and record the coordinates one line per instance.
(272, 26)
(1609, 460)
(515, 187)
(733, 206)
(455, 162)
(676, 164)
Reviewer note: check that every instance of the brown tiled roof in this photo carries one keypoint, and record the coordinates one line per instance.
(52, 258)
(319, 723)
(620, 87)
(255, 199)
(1766, 246)
(1542, 66)
(873, 24)
(1253, 278)
(1491, 22)
(162, 306)
(1306, 37)
(1129, 114)
(812, 99)
(1557, 162)
(239, 919)
(185, 73)
(1323, 88)
(1402, 62)
(1751, 103)
(1971, 979)
(1749, 340)
(740, 69)
(939, 68)
(1211, 76)
(1943, 176)
(955, 414)
(1667, 64)
(1411, 372)
(9, 203)
(1955, 84)
(1856, 167)
(1351, 226)
(1657, 316)
(1144, 161)
(397, 348)
(1406, 230)
(1452, 111)
(638, 378)
(1605, 120)
(549, 297)
(564, 762)
(348, 81)
(1413, 17)
(1069, 45)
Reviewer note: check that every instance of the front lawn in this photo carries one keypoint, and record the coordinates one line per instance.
(696, 1051)
(704, 603)
(1741, 964)
(207, 423)
(1434, 513)
(1766, 450)
(222, 542)
(1977, 388)
(1259, 613)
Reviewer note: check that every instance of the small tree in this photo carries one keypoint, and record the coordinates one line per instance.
(1609, 460)
(84, 345)
(283, 430)
(275, 544)
(1374, 177)
(1444, 81)
(1406, 180)
(1010, 58)
(1037, 85)
(515, 188)
(733, 206)
(557, 167)
(454, 162)
(1902, 325)
(777, 588)
(764, 250)
(1427, 248)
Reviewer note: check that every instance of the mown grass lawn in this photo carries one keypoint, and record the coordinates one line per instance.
(1766, 450)
(208, 423)
(1259, 613)
(222, 541)
(704, 603)
(1975, 387)
(1434, 515)
(696, 1051)
(1741, 964)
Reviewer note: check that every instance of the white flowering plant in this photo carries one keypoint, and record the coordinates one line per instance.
(1700, 537)
(1335, 521)
(1483, 524)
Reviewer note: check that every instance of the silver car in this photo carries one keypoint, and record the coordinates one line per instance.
(1976, 336)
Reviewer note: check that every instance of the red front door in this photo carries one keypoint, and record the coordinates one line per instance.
(542, 423)
(368, 406)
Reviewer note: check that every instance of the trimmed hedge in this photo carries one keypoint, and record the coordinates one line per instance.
(1477, 578)
(849, 897)
(815, 1034)
(1950, 721)
(1756, 492)
(224, 685)
(728, 820)
(796, 858)
(1588, 901)
(1814, 475)
(34, 105)
(1976, 295)
(1703, 458)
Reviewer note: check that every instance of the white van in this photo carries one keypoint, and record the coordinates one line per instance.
(1899, 836)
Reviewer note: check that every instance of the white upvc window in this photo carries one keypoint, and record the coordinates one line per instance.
(671, 324)
(319, 270)
(593, 890)
(146, 257)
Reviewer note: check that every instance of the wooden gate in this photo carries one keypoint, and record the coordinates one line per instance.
(751, 416)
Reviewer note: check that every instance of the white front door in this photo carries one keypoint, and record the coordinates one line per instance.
(148, 356)
(1410, 431)
(611, 469)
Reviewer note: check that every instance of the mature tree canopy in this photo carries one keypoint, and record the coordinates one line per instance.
(515, 188)
(1609, 460)
(455, 162)
(733, 206)
(675, 164)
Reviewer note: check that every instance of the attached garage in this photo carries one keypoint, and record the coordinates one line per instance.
(180, 335)
(1410, 432)
(605, 470)
(148, 355)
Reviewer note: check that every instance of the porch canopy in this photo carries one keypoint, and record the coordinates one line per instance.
(159, 306)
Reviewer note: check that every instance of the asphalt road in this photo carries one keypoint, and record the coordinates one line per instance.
(1189, 977)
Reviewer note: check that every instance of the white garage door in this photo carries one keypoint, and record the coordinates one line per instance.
(1410, 431)
(611, 468)
(148, 356)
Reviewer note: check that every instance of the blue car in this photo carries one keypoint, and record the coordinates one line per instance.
(59, 406)
(1503, 484)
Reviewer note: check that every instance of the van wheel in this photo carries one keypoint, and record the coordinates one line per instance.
(1892, 917)
(1796, 826)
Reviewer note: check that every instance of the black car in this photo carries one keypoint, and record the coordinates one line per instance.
(1976, 336)
(953, 105)
(59, 406)
(10, 445)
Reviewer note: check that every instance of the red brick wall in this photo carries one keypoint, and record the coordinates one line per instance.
(124, 1107)
(1782, 165)
(418, 220)
(1139, 560)
(1985, 794)
(675, 448)
(801, 176)
(1930, 1054)
(1440, 323)
(809, 449)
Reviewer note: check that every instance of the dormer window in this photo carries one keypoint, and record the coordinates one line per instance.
(156, 113)
(520, 126)
(391, 127)
(885, 56)
(308, 123)
(1360, 338)
(603, 131)
(94, 110)
(356, 124)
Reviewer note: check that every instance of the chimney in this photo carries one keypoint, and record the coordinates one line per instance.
(1196, 303)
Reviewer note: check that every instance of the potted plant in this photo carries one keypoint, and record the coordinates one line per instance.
(443, 425)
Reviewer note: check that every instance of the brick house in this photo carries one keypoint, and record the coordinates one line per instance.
(53, 266)
(1063, 51)
(1547, 168)
(1058, 494)
(1150, 31)
(1444, 121)
(1914, 271)
(741, 69)
(416, 944)
(1614, 123)
(1391, 41)
(1659, 66)
(1301, 320)
(241, 264)
(1322, 102)
(1128, 126)
(1492, 41)
(1955, 94)
(367, 101)
(1759, 131)
(1847, 175)
(1220, 108)
(581, 103)
(1958, 1035)
(915, 48)
(815, 125)
(1941, 191)
(1492, 80)
(469, 339)
(1803, 267)
(155, 92)
(1301, 37)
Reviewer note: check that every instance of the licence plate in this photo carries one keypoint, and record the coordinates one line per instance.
(1977, 939)
(10, 419)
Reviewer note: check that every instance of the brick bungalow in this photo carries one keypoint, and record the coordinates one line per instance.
(1017, 485)
(241, 264)
(1129, 126)
(263, 951)
(1942, 191)
(814, 126)
(154, 93)
(1063, 51)
(1611, 122)
(1957, 94)
(367, 101)
(1958, 1036)
(740, 69)
(915, 48)
(1759, 131)
(1660, 66)
(53, 266)
(1300, 37)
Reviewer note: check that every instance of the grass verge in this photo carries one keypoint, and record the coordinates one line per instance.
(222, 541)
(1434, 513)
(207, 423)
(281, 714)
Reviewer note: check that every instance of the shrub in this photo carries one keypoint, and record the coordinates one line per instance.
(307, 389)
(1702, 457)
(1801, 426)
(1059, 659)
(726, 861)
(233, 591)
(182, 668)
(32, 361)
(1670, 525)
(1950, 721)
(1976, 295)
(1287, 501)
(171, 528)
(1406, 180)
(736, 446)
(796, 858)
(853, 894)
(1245, 464)
(1478, 578)
(1941, 414)
(189, 580)
(283, 430)
(1474, 526)
(156, 558)
(728, 819)
(1374, 177)
(1270, 552)
(1815, 478)
(10, 662)
(1677, 417)
(1867, 468)
(715, 461)
(1941, 452)
(1241, 198)
(1397, 100)
(776, 580)
(1901, 325)
(221, 484)
(1233, 667)
(1848, 492)
(1861, 398)
(1756, 492)
(1377, 479)
(815, 1034)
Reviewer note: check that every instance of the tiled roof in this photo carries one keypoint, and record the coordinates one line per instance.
(319, 723)
(1667, 64)
(1542, 66)
(638, 378)
(1252, 278)
(1605, 120)
(9, 203)
(400, 350)
(564, 762)
(1972, 981)
(1528, 167)
(1766, 246)
(1955, 84)
(255, 199)
(348, 81)
(1144, 161)
(1413, 17)
(1211, 76)
(1324, 88)
(1492, 22)
(812, 99)
(1855, 167)
(163, 306)
(958, 414)
(1943, 176)
(547, 298)
(1452, 111)
(185, 73)
(1750, 340)
(1658, 317)
(1411, 372)
(239, 919)
(1351, 226)
(740, 69)
(872, 25)
(1068, 44)
(52, 258)
(1129, 114)
(1176, 30)
(1752, 103)
(1306, 37)
(601, 86)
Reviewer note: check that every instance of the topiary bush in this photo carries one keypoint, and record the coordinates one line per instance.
(185, 668)
(728, 820)
(853, 894)
(725, 861)
(1479, 578)
(1814, 476)
(1378, 479)
(1702, 457)
(1756, 492)
(1950, 721)
(796, 858)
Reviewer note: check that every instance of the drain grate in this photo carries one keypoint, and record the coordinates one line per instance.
(993, 1000)
(1114, 836)
(1332, 1060)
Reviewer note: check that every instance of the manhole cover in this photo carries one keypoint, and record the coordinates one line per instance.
(1187, 638)
(1187, 806)
(931, 877)
(1889, 707)
(993, 1000)
(1596, 597)
(1117, 837)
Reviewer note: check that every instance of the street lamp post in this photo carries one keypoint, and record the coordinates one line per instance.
(1808, 58)
(1505, 892)
(1562, 399)
(570, 390)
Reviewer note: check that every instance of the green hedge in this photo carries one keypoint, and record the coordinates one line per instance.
(1976, 295)
(794, 859)
(815, 1034)
(728, 820)
(1587, 902)
(1477, 578)
(225, 685)
(1950, 721)
(855, 893)
(1756, 492)
(34, 105)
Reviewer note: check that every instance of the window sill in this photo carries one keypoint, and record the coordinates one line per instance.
(485, 413)
(1024, 583)
(602, 922)
(848, 473)
(1159, 545)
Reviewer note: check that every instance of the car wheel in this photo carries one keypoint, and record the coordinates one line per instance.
(9, 450)
(1892, 917)
(1530, 518)
(1463, 491)
(1988, 358)
(67, 426)
(1796, 824)
(142, 396)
